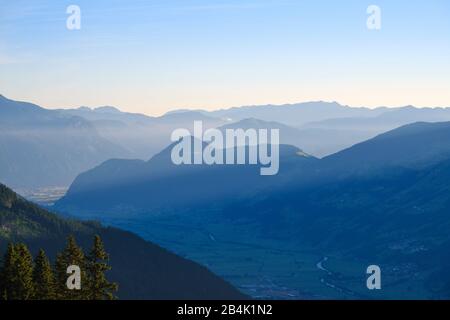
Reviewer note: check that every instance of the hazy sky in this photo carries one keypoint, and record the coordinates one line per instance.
(154, 56)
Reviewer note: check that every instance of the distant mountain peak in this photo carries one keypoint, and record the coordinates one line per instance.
(108, 109)
(251, 121)
(83, 108)
(187, 115)
(21, 106)
(256, 124)
(7, 197)
(102, 109)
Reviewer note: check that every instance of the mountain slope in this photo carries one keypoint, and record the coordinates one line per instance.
(288, 135)
(158, 185)
(119, 186)
(329, 136)
(142, 136)
(385, 201)
(294, 114)
(40, 147)
(326, 128)
(388, 120)
(143, 270)
(314, 141)
(411, 146)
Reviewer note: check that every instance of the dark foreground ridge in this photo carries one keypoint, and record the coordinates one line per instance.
(143, 270)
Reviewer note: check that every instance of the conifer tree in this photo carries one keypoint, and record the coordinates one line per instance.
(43, 278)
(71, 255)
(18, 273)
(60, 276)
(99, 287)
(2, 285)
(7, 271)
(24, 267)
(20, 281)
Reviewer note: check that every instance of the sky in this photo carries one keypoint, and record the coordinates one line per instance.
(155, 56)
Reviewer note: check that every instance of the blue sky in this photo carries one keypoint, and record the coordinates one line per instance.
(154, 56)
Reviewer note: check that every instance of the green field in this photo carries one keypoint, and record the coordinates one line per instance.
(268, 268)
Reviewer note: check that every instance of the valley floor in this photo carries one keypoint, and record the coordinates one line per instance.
(45, 196)
(268, 268)
(263, 268)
